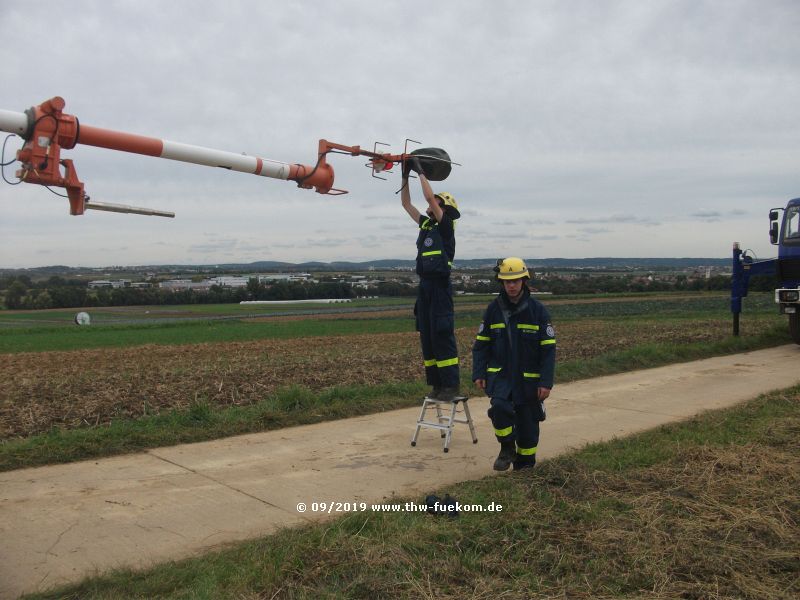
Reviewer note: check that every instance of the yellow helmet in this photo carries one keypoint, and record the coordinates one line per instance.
(511, 268)
(449, 202)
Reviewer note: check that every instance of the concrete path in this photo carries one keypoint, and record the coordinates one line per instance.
(62, 523)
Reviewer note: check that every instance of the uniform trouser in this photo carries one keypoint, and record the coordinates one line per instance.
(518, 423)
(436, 326)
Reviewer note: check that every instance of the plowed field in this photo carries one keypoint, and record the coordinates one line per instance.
(83, 388)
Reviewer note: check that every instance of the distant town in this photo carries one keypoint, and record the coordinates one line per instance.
(68, 287)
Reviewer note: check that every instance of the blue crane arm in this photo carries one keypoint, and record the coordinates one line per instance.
(745, 267)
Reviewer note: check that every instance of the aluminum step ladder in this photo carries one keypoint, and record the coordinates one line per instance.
(446, 418)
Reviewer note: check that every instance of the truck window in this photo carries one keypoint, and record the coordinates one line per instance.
(792, 227)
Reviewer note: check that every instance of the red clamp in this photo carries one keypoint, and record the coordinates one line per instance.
(49, 130)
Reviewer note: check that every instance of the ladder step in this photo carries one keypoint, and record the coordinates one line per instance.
(446, 411)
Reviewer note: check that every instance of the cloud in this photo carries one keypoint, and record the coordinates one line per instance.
(615, 219)
(327, 242)
(710, 215)
(614, 116)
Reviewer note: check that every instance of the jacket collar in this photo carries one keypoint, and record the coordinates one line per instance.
(507, 305)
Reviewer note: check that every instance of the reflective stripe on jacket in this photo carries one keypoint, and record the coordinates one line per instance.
(515, 352)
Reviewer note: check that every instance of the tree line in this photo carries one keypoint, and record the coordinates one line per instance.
(19, 292)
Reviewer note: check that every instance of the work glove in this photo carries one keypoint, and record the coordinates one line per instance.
(416, 165)
(412, 163)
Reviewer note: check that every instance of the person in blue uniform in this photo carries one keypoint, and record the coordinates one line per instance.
(513, 361)
(436, 248)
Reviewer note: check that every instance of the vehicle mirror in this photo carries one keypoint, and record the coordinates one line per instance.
(773, 215)
(773, 233)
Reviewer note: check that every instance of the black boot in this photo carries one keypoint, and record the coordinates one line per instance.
(451, 505)
(508, 452)
(434, 393)
(526, 462)
(448, 394)
(431, 502)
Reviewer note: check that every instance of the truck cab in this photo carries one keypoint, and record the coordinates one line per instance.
(784, 232)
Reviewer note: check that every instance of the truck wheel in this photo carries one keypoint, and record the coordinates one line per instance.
(794, 327)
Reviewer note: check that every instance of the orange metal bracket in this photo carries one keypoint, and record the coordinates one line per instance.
(52, 130)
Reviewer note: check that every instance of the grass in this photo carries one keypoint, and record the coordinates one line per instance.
(645, 356)
(287, 407)
(110, 314)
(706, 508)
(296, 405)
(42, 338)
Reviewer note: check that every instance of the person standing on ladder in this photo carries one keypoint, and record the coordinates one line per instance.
(436, 248)
(513, 361)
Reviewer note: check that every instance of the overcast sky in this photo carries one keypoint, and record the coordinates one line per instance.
(585, 128)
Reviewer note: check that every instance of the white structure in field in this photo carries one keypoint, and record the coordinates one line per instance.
(317, 301)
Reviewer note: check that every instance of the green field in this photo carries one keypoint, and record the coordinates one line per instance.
(221, 377)
(31, 331)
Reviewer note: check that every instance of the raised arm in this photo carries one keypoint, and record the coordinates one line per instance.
(405, 199)
(433, 201)
(434, 209)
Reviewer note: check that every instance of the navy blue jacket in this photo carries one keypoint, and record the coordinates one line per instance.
(515, 349)
(436, 247)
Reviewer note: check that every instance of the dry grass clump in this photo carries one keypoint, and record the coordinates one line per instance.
(725, 520)
(713, 522)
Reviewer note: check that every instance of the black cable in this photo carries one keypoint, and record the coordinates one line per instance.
(314, 170)
(319, 160)
(4, 164)
(405, 179)
(3, 155)
(52, 117)
(10, 182)
(56, 193)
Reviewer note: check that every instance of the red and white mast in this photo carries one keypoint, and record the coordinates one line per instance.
(47, 129)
